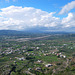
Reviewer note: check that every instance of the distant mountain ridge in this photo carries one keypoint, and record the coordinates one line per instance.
(10, 32)
(14, 32)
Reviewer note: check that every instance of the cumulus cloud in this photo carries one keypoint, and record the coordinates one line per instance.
(69, 21)
(19, 18)
(67, 7)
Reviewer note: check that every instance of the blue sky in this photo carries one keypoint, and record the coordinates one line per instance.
(52, 14)
(45, 5)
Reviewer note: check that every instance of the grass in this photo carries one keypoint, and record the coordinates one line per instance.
(48, 59)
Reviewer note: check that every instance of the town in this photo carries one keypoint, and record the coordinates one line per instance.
(52, 55)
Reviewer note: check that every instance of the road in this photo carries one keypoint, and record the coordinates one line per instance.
(28, 39)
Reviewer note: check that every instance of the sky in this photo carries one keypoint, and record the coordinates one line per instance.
(52, 15)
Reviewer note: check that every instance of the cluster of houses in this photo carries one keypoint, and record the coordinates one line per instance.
(10, 50)
(55, 52)
(43, 52)
(22, 58)
(48, 65)
(39, 68)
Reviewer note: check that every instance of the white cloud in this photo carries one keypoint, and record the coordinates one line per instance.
(69, 21)
(27, 17)
(67, 7)
(19, 18)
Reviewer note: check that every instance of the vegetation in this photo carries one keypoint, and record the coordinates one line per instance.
(37, 54)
